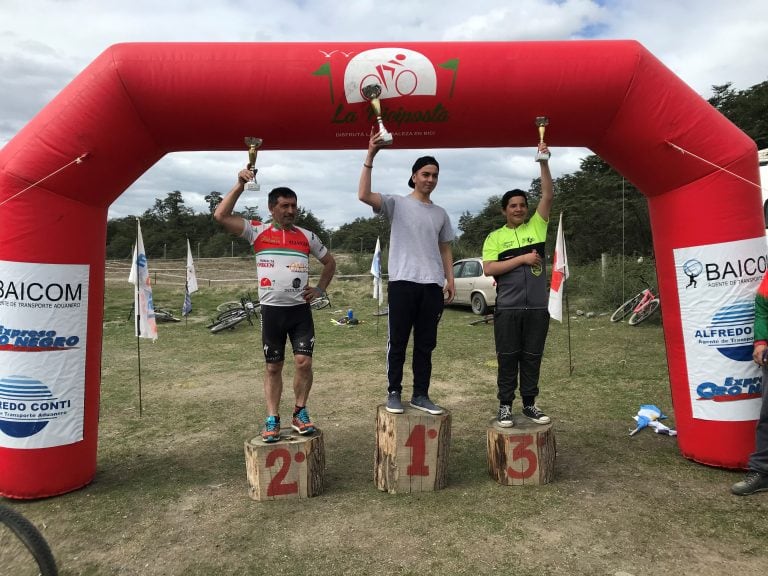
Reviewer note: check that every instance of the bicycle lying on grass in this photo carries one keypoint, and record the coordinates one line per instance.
(640, 306)
(320, 302)
(232, 313)
(161, 315)
(23, 550)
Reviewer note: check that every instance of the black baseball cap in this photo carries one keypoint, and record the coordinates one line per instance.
(419, 164)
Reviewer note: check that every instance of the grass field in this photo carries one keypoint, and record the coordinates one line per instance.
(170, 494)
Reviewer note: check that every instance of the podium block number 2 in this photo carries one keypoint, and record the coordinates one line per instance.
(277, 486)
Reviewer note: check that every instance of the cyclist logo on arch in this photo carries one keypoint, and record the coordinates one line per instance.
(692, 268)
(399, 72)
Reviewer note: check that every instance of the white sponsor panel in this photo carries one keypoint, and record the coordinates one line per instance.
(43, 327)
(716, 286)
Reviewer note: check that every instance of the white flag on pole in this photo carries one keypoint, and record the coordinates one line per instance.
(144, 309)
(190, 285)
(559, 275)
(376, 271)
(191, 276)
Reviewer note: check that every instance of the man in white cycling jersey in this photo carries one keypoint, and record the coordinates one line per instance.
(282, 259)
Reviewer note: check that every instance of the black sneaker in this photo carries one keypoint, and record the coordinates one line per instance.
(753, 482)
(394, 405)
(504, 419)
(533, 413)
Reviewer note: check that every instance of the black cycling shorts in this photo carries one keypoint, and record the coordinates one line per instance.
(281, 322)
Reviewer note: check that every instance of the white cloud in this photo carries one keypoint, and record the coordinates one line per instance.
(44, 44)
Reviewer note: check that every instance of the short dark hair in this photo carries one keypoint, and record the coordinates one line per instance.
(511, 194)
(279, 192)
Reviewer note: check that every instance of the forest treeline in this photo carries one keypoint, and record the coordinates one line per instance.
(594, 193)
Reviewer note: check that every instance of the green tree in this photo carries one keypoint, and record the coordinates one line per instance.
(748, 109)
(360, 234)
(213, 199)
(602, 212)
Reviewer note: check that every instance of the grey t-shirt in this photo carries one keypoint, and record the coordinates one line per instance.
(417, 228)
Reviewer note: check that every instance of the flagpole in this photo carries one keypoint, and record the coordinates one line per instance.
(137, 311)
(568, 315)
(138, 356)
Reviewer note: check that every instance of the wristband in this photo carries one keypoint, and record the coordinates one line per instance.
(239, 179)
(369, 166)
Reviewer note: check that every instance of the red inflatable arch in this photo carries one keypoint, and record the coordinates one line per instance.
(137, 102)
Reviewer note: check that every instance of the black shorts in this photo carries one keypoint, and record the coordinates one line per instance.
(281, 322)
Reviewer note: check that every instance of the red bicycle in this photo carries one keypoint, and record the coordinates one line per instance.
(640, 307)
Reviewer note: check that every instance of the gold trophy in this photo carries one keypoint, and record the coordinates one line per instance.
(372, 93)
(542, 122)
(253, 146)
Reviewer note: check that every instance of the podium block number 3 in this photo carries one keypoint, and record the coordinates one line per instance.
(524, 461)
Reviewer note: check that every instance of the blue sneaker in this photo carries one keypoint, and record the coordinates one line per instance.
(302, 423)
(271, 431)
(424, 404)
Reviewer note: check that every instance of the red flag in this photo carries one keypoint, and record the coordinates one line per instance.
(559, 275)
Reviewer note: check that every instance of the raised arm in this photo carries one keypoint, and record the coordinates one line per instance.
(223, 213)
(547, 187)
(364, 194)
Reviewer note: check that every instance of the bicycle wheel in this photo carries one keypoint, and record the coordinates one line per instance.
(228, 322)
(231, 305)
(23, 550)
(626, 308)
(320, 303)
(229, 314)
(486, 319)
(644, 312)
(165, 316)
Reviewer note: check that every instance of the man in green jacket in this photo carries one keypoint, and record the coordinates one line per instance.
(756, 479)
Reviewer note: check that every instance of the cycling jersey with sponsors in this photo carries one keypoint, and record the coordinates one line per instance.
(282, 260)
(524, 286)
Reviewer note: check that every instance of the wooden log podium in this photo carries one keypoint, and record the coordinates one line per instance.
(411, 451)
(521, 455)
(293, 467)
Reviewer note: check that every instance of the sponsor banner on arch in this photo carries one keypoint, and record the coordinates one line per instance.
(43, 320)
(717, 293)
(420, 91)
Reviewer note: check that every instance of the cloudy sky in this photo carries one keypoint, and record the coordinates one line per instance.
(44, 44)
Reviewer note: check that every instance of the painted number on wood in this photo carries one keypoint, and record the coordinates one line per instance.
(417, 442)
(521, 451)
(276, 486)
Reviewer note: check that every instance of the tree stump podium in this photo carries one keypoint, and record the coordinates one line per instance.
(523, 454)
(293, 467)
(411, 451)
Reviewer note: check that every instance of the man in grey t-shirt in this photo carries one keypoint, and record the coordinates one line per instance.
(420, 269)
